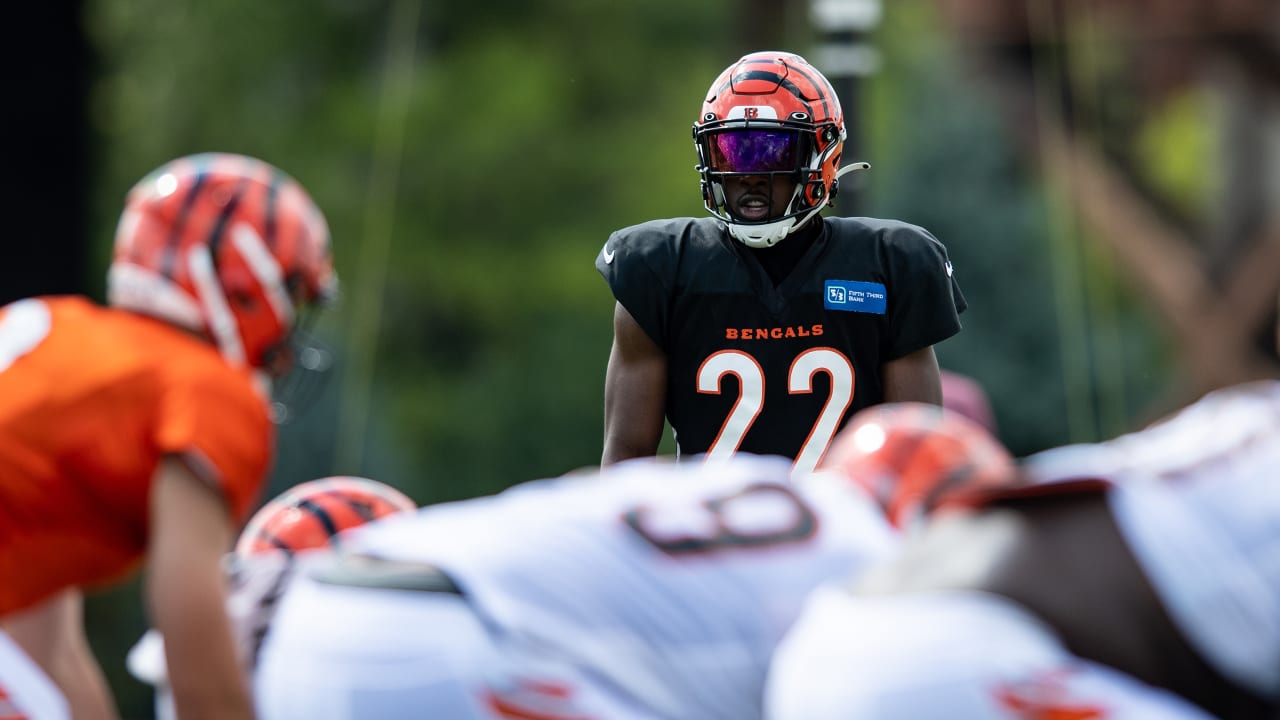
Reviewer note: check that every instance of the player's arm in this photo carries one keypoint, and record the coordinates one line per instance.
(52, 634)
(635, 391)
(191, 529)
(913, 378)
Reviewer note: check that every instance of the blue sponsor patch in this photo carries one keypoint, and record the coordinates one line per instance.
(867, 297)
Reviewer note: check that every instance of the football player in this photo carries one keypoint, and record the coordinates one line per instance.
(764, 327)
(651, 589)
(140, 434)
(1136, 578)
(276, 541)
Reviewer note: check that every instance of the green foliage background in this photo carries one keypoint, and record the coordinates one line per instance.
(472, 158)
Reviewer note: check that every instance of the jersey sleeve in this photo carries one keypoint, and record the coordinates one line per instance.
(926, 300)
(636, 264)
(219, 425)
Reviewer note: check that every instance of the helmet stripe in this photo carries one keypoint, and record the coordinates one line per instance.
(774, 77)
(222, 323)
(821, 86)
(265, 268)
(220, 224)
(361, 507)
(179, 226)
(276, 542)
(330, 527)
(269, 219)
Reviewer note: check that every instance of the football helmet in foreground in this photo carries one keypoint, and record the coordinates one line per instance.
(912, 456)
(309, 515)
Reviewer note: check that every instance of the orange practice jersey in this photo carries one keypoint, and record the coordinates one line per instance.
(91, 398)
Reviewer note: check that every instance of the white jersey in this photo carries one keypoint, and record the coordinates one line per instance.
(1202, 516)
(954, 654)
(671, 583)
(1195, 497)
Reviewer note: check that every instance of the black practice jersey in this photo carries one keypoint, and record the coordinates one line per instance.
(778, 370)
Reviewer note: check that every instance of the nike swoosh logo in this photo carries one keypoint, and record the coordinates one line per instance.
(949, 268)
(608, 255)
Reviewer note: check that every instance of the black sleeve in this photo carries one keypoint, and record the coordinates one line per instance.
(631, 262)
(925, 299)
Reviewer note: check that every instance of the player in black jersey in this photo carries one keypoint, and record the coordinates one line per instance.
(743, 341)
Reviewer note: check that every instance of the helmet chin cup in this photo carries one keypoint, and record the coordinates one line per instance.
(769, 234)
(761, 236)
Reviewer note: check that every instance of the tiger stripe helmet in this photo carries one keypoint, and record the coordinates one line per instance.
(309, 515)
(227, 246)
(911, 457)
(782, 99)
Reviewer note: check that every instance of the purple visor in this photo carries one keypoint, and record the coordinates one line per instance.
(754, 151)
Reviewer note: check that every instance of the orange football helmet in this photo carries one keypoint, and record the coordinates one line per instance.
(227, 246)
(912, 456)
(771, 113)
(309, 515)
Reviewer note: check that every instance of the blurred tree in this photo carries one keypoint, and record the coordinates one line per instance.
(1065, 350)
(1154, 121)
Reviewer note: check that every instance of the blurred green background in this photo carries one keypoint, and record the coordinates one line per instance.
(471, 159)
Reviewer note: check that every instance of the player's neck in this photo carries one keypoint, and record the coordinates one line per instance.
(783, 257)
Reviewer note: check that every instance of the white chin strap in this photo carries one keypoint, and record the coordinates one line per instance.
(768, 234)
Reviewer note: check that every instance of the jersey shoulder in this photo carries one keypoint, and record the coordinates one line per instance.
(883, 235)
(215, 416)
(648, 266)
(657, 246)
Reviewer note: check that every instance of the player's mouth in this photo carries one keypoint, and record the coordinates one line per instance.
(753, 208)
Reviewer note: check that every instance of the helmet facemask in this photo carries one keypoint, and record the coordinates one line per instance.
(299, 367)
(767, 150)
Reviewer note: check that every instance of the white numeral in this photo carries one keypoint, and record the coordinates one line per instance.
(750, 402)
(22, 327)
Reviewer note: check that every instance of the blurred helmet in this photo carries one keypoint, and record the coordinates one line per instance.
(308, 515)
(912, 456)
(227, 246)
(771, 114)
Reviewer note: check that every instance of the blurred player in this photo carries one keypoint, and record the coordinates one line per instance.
(967, 396)
(305, 517)
(651, 590)
(141, 432)
(765, 327)
(1137, 578)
